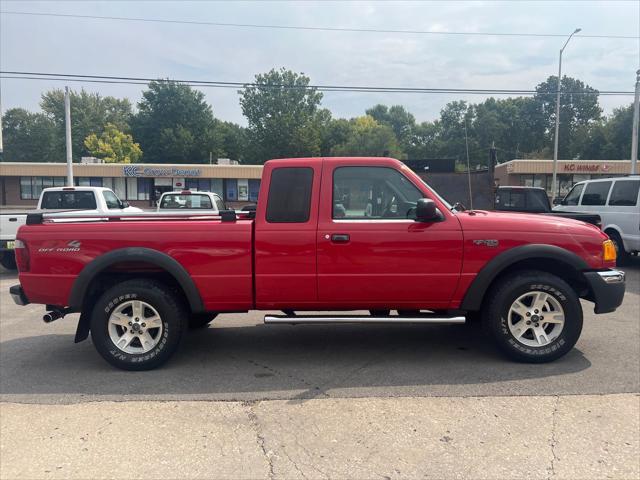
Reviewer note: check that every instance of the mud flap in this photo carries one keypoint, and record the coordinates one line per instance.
(82, 332)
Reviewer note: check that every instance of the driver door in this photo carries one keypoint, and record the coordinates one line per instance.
(371, 253)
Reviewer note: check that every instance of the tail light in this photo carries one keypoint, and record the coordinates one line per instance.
(22, 256)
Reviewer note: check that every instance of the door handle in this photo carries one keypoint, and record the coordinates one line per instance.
(340, 238)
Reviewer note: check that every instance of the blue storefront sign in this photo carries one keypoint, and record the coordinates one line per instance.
(140, 171)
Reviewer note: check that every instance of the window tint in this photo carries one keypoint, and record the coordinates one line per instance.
(290, 195)
(372, 192)
(69, 200)
(596, 193)
(625, 193)
(111, 200)
(574, 195)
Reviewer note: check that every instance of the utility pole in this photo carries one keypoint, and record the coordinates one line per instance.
(634, 134)
(67, 130)
(493, 157)
(555, 144)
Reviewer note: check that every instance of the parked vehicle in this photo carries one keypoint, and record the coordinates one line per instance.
(329, 234)
(84, 200)
(535, 200)
(617, 201)
(187, 201)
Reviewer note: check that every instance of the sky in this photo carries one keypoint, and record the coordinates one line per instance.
(204, 52)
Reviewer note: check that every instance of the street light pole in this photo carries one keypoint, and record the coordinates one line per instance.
(555, 141)
(634, 135)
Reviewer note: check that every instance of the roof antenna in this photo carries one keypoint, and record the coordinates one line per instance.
(466, 142)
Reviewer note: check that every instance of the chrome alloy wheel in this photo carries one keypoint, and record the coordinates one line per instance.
(135, 327)
(536, 319)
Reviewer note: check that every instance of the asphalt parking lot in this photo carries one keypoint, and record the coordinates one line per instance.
(261, 386)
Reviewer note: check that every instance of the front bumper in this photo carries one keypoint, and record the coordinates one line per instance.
(18, 295)
(607, 289)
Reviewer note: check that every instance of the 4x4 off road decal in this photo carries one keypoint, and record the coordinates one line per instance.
(72, 246)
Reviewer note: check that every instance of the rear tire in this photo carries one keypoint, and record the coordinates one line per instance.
(529, 297)
(138, 324)
(8, 260)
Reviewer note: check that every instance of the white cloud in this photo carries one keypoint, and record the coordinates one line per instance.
(236, 54)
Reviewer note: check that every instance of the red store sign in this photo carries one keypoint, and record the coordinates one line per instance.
(585, 167)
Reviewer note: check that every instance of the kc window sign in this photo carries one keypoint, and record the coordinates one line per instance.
(585, 167)
(138, 171)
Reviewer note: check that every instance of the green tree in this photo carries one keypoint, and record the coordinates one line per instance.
(29, 137)
(232, 140)
(174, 124)
(90, 112)
(369, 138)
(401, 121)
(113, 146)
(283, 116)
(618, 129)
(334, 132)
(579, 108)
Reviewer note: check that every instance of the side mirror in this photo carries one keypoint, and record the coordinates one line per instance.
(557, 201)
(426, 211)
(124, 204)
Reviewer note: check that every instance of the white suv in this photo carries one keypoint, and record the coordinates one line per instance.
(617, 202)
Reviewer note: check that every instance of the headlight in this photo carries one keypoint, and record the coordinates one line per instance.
(608, 251)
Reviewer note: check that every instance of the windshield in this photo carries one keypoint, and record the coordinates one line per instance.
(447, 204)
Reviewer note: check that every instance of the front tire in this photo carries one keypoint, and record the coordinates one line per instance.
(533, 317)
(138, 324)
(622, 256)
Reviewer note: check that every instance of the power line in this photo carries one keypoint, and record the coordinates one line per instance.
(241, 85)
(299, 27)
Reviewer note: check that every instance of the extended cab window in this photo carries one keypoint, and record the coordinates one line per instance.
(290, 195)
(596, 193)
(365, 193)
(625, 193)
(111, 200)
(573, 197)
(68, 200)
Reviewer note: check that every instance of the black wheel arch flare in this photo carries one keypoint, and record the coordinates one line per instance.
(130, 254)
(476, 292)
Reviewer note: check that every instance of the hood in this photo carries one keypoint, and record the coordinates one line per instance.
(522, 222)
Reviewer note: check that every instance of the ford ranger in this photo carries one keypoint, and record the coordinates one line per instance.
(328, 235)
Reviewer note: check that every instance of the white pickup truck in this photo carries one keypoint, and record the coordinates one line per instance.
(85, 200)
(187, 201)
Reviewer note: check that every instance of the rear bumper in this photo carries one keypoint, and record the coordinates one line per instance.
(18, 295)
(607, 288)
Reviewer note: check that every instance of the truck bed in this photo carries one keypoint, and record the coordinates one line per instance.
(216, 255)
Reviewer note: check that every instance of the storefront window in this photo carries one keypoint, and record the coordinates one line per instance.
(144, 188)
(119, 187)
(25, 188)
(243, 190)
(132, 188)
(231, 187)
(526, 180)
(254, 189)
(217, 186)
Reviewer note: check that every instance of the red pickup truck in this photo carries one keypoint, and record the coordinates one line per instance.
(328, 235)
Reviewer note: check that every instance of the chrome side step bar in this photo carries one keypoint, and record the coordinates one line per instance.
(320, 319)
